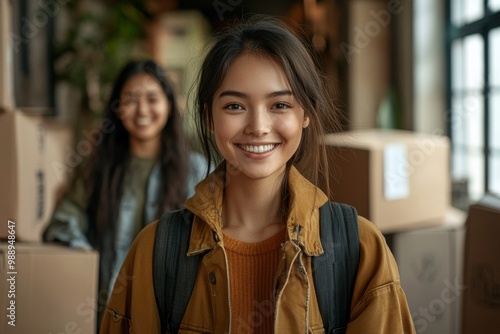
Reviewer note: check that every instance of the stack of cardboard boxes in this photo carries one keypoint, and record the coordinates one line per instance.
(400, 180)
(44, 288)
(430, 262)
(481, 302)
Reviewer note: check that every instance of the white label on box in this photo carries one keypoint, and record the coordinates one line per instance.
(396, 178)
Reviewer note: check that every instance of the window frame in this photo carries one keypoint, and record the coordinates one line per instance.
(482, 26)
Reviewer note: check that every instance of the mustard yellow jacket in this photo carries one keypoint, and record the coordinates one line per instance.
(378, 305)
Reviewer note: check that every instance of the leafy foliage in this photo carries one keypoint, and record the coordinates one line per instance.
(99, 38)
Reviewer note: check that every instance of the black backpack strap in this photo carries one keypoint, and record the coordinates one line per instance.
(174, 273)
(335, 271)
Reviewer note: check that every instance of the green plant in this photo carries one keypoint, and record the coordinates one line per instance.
(98, 39)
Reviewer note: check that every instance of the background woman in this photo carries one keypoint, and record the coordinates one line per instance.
(140, 169)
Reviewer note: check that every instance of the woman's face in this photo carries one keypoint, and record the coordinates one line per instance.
(257, 121)
(143, 108)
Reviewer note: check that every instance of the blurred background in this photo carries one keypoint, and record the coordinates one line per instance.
(427, 66)
(424, 74)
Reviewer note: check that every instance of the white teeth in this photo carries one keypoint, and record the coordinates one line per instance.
(143, 121)
(258, 149)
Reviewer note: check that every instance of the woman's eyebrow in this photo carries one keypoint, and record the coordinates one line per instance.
(232, 93)
(133, 93)
(284, 92)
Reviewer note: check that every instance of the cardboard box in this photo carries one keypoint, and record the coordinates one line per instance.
(50, 289)
(31, 181)
(397, 179)
(6, 57)
(481, 302)
(430, 263)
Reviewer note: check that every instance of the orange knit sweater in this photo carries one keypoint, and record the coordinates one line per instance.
(252, 269)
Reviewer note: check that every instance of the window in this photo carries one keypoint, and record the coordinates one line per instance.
(474, 94)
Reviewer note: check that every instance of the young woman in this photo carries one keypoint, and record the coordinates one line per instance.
(261, 105)
(138, 170)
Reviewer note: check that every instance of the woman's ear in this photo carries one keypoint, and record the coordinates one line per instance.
(306, 121)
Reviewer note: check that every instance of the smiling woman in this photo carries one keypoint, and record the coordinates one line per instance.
(258, 123)
(144, 111)
(139, 169)
(256, 230)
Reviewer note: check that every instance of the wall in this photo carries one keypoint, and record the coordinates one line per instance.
(6, 78)
(400, 43)
(429, 102)
(369, 58)
(403, 55)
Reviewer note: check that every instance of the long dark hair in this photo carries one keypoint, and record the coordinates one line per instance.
(109, 159)
(268, 37)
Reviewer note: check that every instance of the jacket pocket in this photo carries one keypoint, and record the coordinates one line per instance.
(316, 331)
(115, 322)
(340, 330)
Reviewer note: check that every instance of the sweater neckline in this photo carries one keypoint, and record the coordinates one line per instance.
(253, 248)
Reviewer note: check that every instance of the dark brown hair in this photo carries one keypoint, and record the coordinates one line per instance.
(109, 160)
(268, 37)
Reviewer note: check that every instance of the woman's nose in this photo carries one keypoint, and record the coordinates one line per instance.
(142, 107)
(259, 122)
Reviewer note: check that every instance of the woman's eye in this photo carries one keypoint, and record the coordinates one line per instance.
(234, 106)
(129, 101)
(281, 106)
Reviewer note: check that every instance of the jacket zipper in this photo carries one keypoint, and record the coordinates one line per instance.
(228, 290)
(281, 288)
(304, 273)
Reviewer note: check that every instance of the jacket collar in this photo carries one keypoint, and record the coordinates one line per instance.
(303, 217)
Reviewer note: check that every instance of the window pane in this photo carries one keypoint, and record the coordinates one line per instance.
(459, 163)
(468, 164)
(456, 12)
(473, 10)
(457, 65)
(458, 123)
(467, 126)
(467, 122)
(494, 142)
(475, 171)
(494, 178)
(473, 62)
(494, 121)
(494, 5)
(474, 119)
(494, 38)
